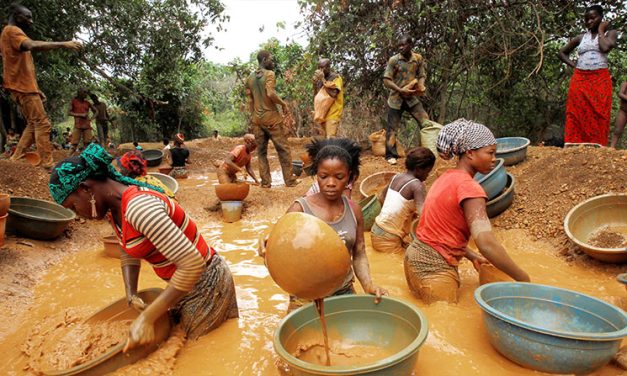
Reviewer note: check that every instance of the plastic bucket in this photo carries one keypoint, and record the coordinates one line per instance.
(231, 211)
(5, 202)
(3, 222)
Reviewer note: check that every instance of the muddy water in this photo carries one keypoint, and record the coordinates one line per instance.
(457, 342)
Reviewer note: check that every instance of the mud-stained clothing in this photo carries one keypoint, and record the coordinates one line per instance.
(442, 222)
(18, 69)
(156, 229)
(346, 228)
(18, 77)
(267, 124)
(81, 106)
(241, 158)
(428, 275)
(402, 71)
(265, 111)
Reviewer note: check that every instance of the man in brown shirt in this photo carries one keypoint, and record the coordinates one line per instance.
(405, 77)
(20, 81)
(267, 122)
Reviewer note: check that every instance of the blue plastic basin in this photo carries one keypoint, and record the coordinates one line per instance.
(512, 149)
(495, 181)
(551, 329)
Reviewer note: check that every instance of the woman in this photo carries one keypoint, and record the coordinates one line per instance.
(312, 150)
(621, 116)
(589, 102)
(455, 210)
(131, 164)
(200, 294)
(402, 202)
(180, 157)
(335, 163)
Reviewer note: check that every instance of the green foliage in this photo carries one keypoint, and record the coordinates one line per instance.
(491, 61)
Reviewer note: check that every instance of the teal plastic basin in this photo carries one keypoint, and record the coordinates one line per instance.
(393, 324)
(550, 329)
(493, 182)
(370, 207)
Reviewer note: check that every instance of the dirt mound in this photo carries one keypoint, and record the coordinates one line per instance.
(22, 179)
(551, 181)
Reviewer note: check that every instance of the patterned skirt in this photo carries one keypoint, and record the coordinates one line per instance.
(210, 303)
(589, 107)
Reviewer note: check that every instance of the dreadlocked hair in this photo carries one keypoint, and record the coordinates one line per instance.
(344, 149)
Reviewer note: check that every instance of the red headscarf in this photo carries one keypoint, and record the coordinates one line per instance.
(133, 162)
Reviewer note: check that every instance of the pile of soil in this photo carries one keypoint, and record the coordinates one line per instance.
(606, 238)
(22, 179)
(551, 181)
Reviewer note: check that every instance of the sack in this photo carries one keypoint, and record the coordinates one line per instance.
(376, 136)
(429, 135)
(322, 103)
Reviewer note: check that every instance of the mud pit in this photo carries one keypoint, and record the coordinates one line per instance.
(72, 272)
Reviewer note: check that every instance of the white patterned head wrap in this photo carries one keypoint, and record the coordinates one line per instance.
(462, 135)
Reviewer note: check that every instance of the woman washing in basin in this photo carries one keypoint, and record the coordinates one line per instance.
(200, 294)
(455, 210)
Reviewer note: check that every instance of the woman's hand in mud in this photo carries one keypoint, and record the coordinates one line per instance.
(476, 259)
(261, 251)
(378, 292)
(142, 332)
(137, 303)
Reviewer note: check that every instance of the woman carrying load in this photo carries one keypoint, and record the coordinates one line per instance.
(200, 294)
(454, 211)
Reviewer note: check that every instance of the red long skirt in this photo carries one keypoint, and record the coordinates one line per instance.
(588, 107)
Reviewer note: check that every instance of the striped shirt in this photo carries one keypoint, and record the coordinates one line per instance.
(156, 229)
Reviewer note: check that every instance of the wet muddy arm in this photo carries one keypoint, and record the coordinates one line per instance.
(229, 161)
(251, 172)
(490, 248)
(130, 274)
(360, 259)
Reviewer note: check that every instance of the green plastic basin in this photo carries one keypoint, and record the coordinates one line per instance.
(394, 325)
(370, 207)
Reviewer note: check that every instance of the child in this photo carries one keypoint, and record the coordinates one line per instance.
(455, 210)
(621, 117)
(180, 157)
(239, 157)
(336, 163)
(312, 151)
(402, 201)
(137, 147)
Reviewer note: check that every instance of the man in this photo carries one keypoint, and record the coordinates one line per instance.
(102, 120)
(240, 157)
(267, 122)
(333, 84)
(405, 76)
(79, 109)
(20, 81)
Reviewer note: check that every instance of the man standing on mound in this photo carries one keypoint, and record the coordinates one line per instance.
(267, 122)
(405, 76)
(20, 80)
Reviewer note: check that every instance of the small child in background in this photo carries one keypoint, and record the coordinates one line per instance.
(136, 144)
(621, 116)
(239, 157)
